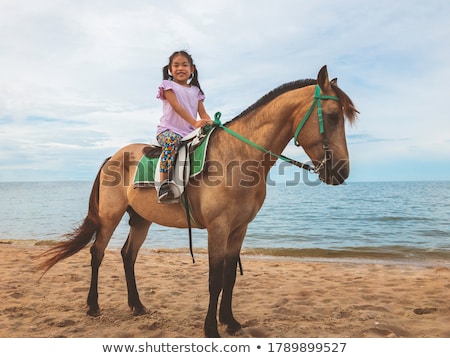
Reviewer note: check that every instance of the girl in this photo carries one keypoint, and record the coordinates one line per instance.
(182, 99)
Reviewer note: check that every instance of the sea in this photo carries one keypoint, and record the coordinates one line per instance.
(357, 220)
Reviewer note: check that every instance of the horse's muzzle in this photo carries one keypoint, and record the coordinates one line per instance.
(335, 172)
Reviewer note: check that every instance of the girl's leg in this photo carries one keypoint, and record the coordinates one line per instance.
(170, 142)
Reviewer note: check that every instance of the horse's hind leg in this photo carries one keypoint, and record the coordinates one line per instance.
(97, 253)
(138, 233)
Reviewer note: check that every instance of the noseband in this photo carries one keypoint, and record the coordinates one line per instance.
(327, 151)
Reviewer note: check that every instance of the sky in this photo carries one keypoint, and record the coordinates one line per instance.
(79, 77)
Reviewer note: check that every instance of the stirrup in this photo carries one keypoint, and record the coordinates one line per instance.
(165, 194)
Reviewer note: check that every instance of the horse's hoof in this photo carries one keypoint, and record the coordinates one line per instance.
(212, 335)
(139, 311)
(211, 332)
(94, 312)
(233, 328)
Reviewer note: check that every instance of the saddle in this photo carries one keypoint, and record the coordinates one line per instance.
(189, 162)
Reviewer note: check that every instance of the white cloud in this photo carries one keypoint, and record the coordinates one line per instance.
(89, 69)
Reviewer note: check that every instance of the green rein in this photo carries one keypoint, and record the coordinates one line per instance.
(317, 98)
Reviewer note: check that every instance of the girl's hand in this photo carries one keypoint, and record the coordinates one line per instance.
(202, 122)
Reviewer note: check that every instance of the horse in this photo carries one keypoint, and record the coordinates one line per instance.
(225, 197)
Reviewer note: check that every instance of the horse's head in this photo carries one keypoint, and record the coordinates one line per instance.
(321, 132)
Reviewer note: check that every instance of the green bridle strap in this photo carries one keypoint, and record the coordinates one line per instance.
(218, 123)
(317, 98)
(240, 137)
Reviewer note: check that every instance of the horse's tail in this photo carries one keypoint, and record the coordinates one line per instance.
(81, 236)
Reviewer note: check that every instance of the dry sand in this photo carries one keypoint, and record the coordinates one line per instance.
(275, 297)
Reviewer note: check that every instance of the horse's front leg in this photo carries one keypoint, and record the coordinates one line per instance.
(215, 286)
(229, 278)
(217, 237)
(223, 252)
(225, 312)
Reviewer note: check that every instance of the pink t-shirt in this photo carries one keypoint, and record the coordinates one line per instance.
(188, 97)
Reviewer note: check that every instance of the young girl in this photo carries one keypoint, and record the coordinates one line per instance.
(182, 99)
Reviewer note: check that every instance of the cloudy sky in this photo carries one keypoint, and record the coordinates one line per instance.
(79, 77)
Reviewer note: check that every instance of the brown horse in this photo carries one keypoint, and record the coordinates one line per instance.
(225, 197)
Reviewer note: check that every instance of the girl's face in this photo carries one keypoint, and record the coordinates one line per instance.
(181, 69)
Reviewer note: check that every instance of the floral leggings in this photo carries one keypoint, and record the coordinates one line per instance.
(170, 141)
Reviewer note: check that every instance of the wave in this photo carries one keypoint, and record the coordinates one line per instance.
(400, 218)
(390, 253)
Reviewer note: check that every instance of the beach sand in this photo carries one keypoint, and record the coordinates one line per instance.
(276, 297)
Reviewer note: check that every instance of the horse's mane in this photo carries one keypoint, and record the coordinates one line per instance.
(350, 111)
(275, 93)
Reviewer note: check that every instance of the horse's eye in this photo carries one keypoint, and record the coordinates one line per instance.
(334, 116)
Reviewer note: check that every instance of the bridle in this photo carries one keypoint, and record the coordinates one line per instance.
(327, 153)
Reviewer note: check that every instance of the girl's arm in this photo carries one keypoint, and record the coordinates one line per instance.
(202, 111)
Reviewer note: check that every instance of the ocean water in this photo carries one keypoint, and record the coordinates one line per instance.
(360, 220)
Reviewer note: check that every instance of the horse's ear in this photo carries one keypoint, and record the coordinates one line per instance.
(322, 79)
(334, 81)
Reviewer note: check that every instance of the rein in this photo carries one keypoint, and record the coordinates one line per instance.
(311, 169)
(218, 123)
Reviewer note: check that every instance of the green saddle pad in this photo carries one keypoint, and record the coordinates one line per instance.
(145, 172)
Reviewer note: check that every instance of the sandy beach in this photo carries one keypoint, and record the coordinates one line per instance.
(276, 297)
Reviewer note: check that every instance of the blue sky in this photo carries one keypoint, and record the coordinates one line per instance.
(79, 78)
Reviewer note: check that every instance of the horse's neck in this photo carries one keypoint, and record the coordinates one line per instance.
(269, 126)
